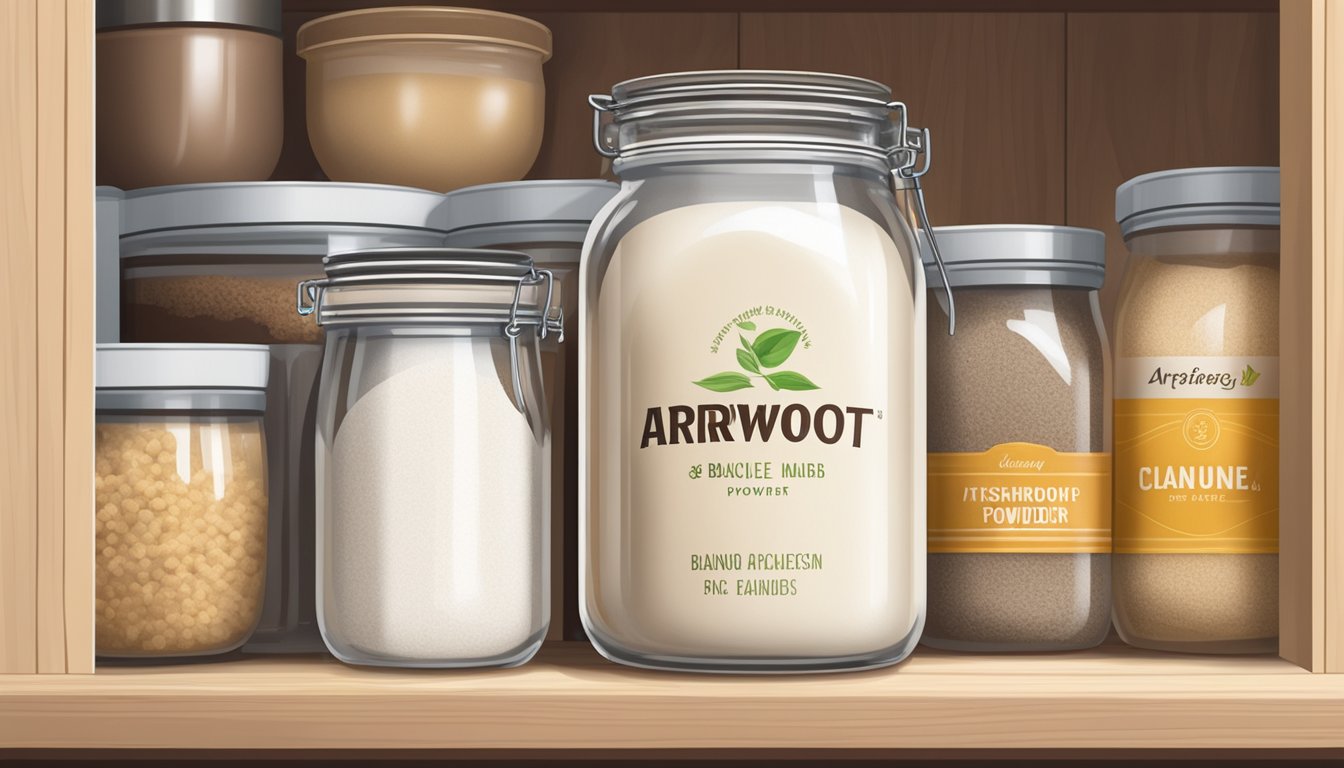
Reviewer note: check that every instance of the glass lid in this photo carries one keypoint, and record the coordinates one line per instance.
(766, 111)
(462, 287)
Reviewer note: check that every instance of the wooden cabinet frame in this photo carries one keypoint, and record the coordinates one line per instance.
(568, 698)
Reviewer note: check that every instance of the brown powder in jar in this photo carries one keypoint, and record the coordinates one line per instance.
(179, 559)
(990, 385)
(224, 308)
(1199, 602)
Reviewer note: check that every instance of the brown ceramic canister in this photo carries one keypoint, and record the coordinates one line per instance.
(188, 92)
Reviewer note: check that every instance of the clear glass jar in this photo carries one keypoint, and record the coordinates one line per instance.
(752, 377)
(1019, 459)
(1196, 563)
(218, 263)
(547, 220)
(180, 495)
(432, 457)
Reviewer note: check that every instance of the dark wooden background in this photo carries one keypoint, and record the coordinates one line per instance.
(1036, 116)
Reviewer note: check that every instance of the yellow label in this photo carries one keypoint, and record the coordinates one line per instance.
(1197, 475)
(1020, 497)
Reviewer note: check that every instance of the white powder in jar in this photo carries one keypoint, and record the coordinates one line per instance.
(434, 538)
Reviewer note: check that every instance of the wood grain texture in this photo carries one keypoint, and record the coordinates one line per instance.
(594, 51)
(835, 6)
(18, 336)
(990, 87)
(1148, 92)
(568, 698)
(78, 341)
(1302, 344)
(50, 313)
(1329, 532)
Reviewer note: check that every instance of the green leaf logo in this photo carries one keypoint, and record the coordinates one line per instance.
(774, 346)
(747, 361)
(1249, 376)
(769, 350)
(790, 380)
(728, 381)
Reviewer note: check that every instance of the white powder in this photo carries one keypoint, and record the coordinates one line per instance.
(434, 541)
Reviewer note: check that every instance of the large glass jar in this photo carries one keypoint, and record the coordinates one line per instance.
(1019, 458)
(1196, 563)
(432, 457)
(218, 263)
(180, 495)
(548, 221)
(752, 377)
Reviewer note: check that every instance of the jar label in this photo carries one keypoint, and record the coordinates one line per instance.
(1197, 455)
(1020, 497)
(756, 415)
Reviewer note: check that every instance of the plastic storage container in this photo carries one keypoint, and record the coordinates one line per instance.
(432, 457)
(547, 220)
(429, 97)
(218, 263)
(180, 490)
(188, 91)
(1196, 564)
(1019, 453)
(752, 376)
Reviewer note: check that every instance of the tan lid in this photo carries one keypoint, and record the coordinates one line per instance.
(425, 23)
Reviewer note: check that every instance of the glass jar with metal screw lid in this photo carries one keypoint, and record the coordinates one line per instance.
(432, 456)
(1019, 461)
(1197, 412)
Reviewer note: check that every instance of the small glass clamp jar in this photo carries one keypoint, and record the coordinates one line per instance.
(180, 495)
(1197, 412)
(752, 376)
(432, 456)
(1019, 462)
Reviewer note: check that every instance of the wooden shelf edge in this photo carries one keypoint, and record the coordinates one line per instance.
(569, 698)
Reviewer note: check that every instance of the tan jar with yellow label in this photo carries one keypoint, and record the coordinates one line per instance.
(1019, 475)
(1196, 412)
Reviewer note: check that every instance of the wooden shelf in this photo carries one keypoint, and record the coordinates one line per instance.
(569, 698)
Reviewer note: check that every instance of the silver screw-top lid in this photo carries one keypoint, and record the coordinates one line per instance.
(259, 15)
(990, 255)
(1199, 197)
(191, 378)
(181, 366)
(246, 203)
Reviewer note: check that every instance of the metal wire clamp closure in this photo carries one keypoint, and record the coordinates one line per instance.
(910, 157)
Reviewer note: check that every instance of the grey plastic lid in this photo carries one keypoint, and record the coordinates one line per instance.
(989, 255)
(108, 193)
(520, 203)
(259, 15)
(1195, 197)
(182, 366)
(278, 203)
